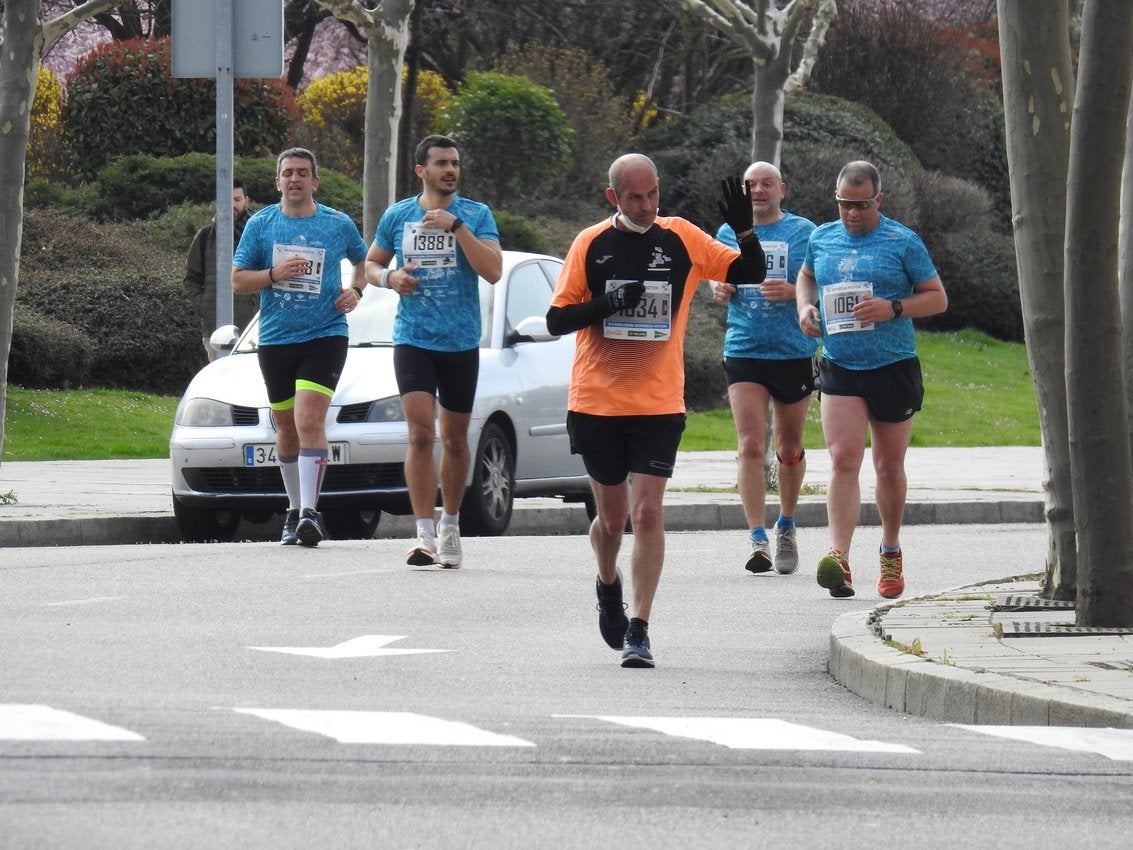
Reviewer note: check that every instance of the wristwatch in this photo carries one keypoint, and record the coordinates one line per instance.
(898, 308)
(456, 225)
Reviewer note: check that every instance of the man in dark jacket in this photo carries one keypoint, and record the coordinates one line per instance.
(200, 271)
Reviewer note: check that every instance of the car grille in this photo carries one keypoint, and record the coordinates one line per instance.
(245, 415)
(354, 412)
(266, 479)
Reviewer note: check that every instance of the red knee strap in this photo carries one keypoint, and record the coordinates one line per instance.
(794, 461)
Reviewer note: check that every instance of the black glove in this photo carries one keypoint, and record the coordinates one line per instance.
(736, 206)
(626, 297)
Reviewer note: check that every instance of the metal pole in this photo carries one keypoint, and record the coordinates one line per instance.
(224, 157)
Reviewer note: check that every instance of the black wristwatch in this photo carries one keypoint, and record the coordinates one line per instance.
(456, 225)
(898, 308)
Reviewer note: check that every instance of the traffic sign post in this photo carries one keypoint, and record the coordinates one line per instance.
(223, 39)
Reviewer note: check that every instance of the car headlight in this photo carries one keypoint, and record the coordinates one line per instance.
(386, 410)
(203, 413)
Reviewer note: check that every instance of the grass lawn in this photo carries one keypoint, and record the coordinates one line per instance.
(978, 392)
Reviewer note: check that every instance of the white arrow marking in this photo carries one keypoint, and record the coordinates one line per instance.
(366, 646)
(754, 733)
(386, 727)
(44, 723)
(1115, 744)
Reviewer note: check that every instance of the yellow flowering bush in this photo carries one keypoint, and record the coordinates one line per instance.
(333, 115)
(44, 146)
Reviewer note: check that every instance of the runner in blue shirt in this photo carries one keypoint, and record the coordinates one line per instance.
(291, 253)
(443, 244)
(864, 279)
(769, 362)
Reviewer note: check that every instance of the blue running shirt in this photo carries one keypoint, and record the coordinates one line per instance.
(762, 329)
(301, 309)
(443, 312)
(887, 262)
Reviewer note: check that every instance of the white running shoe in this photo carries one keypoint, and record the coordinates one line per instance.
(424, 554)
(448, 552)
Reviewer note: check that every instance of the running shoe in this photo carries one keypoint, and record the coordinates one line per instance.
(290, 521)
(310, 529)
(892, 581)
(635, 649)
(424, 554)
(612, 620)
(448, 552)
(759, 561)
(834, 574)
(786, 551)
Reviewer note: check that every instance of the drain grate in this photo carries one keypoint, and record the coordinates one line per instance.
(1032, 629)
(1031, 603)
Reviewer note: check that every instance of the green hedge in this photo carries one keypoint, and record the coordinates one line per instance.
(47, 353)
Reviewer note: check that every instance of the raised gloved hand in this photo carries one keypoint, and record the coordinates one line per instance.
(736, 206)
(626, 297)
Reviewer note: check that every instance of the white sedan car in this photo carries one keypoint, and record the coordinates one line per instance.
(222, 446)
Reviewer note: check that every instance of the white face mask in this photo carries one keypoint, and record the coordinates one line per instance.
(631, 225)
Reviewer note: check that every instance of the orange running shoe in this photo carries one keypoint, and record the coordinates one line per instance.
(892, 581)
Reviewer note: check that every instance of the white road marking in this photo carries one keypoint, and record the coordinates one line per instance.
(86, 601)
(753, 733)
(366, 646)
(1115, 744)
(350, 573)
(386, 727)
(29, 722)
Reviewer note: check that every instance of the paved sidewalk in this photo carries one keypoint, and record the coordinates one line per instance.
(988, 654)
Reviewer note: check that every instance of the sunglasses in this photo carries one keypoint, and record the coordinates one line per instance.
(850, 204)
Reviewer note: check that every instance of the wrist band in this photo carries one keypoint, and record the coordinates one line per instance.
(383, 278)
(357, 291)
(456, 225)
(271, 277)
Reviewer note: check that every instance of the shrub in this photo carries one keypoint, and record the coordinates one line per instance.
(140, 186)
(44, 144)
(47, 353)
(513, 138)
(598, 114)
(981, 278)
(519, 233)
(121, 287)
(121, 99)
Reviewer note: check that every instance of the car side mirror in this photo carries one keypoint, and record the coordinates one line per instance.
(531, 329)
(223, 339)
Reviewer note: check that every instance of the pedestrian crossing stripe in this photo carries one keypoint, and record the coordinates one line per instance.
(386, 727)
(753, 733)
(44, 723)
(1114, 744)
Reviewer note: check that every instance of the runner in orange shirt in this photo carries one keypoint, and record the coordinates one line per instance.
(626, 287)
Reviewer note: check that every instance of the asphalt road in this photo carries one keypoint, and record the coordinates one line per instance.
(246, 695)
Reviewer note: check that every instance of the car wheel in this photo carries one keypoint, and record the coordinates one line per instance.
(201, 525)
(487, 505)
(351, 523)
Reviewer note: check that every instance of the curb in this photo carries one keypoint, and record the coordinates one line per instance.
(862, 663)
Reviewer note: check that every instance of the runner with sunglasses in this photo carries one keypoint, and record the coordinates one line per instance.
(864, 278)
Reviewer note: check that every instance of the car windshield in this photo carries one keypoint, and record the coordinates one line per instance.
(370, 324)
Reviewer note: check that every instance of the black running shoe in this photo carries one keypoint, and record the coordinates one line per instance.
(635, 651)
(612, 620)
(290, 521)
(310, 529)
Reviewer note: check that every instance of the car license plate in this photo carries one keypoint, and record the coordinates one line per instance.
(263, 454)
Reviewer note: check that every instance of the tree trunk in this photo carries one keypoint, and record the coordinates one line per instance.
(767, 109)
(1102, 471)
(1125, 270)
(387, 39)
(22, 47)
(1038, 97)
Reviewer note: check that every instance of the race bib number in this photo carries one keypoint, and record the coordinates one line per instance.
(776, 254)
(428, 247)
(310, 279)
(649, 321)
(838, 301)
